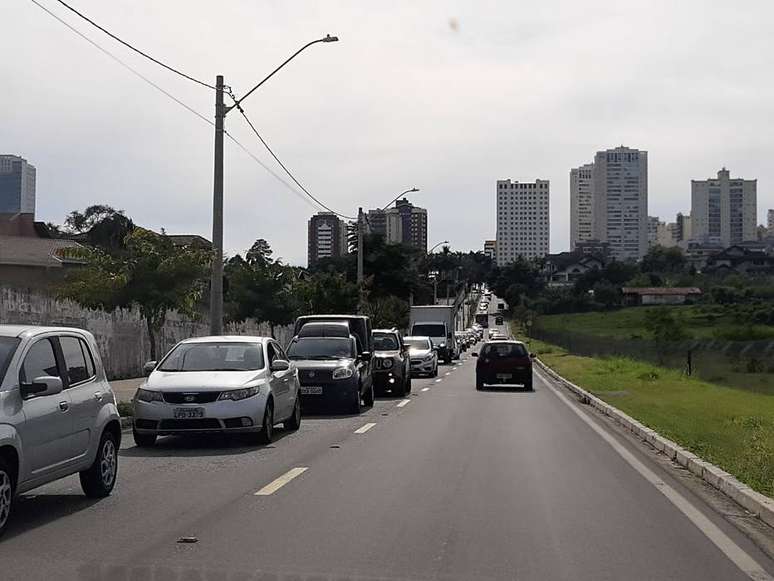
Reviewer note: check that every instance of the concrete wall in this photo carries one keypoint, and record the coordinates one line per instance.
(121, 335)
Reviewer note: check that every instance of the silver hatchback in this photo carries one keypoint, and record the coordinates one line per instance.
(58, 414)
(218, 384)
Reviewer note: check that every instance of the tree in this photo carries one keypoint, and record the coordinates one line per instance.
(388, 312)
(152, 274)
(99, 226)
(663, 260)
(663, 326)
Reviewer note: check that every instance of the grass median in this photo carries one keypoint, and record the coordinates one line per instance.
(728, 427)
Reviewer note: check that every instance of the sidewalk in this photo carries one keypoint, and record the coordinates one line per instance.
(125, 388)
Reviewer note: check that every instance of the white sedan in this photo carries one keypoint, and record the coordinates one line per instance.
(218, 384)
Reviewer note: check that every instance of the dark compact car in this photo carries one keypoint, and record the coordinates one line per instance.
(330, 369)
(391, 363)
(504, 363)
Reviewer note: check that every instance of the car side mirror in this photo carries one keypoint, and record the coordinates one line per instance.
(365, 356)
(474, 354)
(532, 355)
(280, 365)
(148, 368)
(41, 386)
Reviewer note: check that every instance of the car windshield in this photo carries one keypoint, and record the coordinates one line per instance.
(385, 342)
(429, 330)
(7, 348)
(322, 348)
(417, 344)
(504, 351)
(220, 356)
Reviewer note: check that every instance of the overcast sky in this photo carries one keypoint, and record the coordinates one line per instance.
(444, 96)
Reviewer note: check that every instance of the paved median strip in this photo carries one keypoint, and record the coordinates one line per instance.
(275, 485)
(403, 403)
(365, 428)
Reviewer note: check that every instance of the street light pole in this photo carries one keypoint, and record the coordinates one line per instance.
(216, 280)
(435, 278)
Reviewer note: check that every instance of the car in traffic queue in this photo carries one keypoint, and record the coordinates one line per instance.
(330, 368)
(225, 384)
(462, 341)
(505, 362)
(58, 413)
(423, 356)
(390, 362)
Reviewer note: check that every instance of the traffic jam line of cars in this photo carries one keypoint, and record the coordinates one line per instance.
(59, 415)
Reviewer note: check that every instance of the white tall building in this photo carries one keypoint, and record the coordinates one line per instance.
(581, 199)
(620, 201)
(522, 220)
(723, 209)
(770, 222)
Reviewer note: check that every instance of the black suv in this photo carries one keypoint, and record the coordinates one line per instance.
(391, 363)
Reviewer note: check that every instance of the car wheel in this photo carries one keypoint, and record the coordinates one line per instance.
(408, 384)
(435, 370)
(294, 421)
(479, 384)
(6, 495)
(266, 435)
(100, 478)
(368, 398)
(143, 440)
(528, 385)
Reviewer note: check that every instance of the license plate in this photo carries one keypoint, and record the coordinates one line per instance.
(504, 376)
(311, 389)
(188, 413)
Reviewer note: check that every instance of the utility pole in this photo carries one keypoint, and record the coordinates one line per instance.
(360, 228)
(216, 282)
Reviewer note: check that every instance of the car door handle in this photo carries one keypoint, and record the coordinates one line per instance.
(98, 396)
(64, 406)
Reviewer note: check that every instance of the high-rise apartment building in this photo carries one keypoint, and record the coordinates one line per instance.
(581, 198)
(770, 222)
(17, 185)
(522, 220)
(655, 225)
(327, 237)
(620, 201)
(723, 209)
(404, 223)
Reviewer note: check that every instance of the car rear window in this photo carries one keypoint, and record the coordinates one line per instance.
(418, 343)
(503, 350)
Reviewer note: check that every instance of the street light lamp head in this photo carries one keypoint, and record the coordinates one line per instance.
(414, 190)
(329, 38)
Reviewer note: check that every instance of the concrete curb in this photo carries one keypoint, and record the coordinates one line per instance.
(754, 502)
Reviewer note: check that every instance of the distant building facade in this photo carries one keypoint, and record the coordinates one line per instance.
(654, 228)
(17, 185)
(581, 204)
(404, 223)
(522, 220)
(490, 248)
(327, 237)
(620, 201)
(723, 209)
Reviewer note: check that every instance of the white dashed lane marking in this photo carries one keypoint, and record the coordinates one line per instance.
(275, 485)
(425, 389)
(365, 428)
(403, 403)
(439, 380)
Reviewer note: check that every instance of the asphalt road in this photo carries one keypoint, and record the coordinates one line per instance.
(453, 485)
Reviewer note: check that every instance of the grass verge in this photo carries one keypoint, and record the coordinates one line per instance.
(731, 428)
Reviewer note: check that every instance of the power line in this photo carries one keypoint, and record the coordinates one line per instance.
(137, 50)
(287, 171)
(181, 103)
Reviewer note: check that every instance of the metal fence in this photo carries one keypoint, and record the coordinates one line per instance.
(739, 364)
